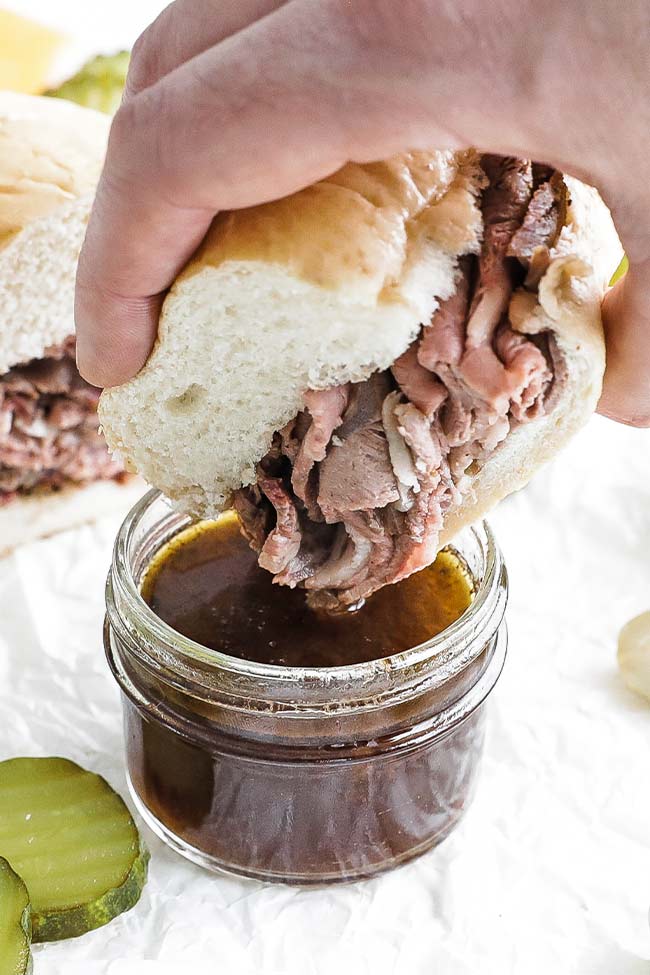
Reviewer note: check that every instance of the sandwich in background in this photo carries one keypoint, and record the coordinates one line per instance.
(55, 470)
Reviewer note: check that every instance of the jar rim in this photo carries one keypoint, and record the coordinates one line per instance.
(485, 611)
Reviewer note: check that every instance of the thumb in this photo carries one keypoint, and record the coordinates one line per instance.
(626, 317)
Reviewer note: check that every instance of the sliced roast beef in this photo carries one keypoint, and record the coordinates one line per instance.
(353, 492)
(357, 474)
(421, 437)
(325, 407)
(443, 340)
(49, 430)
(365, 402)
(283, 541)
(418, 384)
(543, 220)
(504, 205)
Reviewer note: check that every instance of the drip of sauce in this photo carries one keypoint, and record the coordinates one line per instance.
(207, 585)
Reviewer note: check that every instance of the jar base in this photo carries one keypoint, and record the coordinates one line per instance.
(214, 865)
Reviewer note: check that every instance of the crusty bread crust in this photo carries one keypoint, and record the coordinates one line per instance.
(360, 261)
(364, 231)
(51, 154)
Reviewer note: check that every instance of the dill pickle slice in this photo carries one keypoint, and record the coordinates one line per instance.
(15, 923)
(74, 843)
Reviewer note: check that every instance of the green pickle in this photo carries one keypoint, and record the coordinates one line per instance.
(15, 923)
(74, 843)
(98, 84)
(620, 271)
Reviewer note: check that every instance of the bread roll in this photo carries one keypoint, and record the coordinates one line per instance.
(325, 287)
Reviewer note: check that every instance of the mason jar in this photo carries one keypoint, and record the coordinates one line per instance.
(304, 775)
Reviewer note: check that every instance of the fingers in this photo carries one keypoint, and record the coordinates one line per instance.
(246, 121)
(626, 316)
(273, 107)
(187, 28)
(117, 310)
(289, 98)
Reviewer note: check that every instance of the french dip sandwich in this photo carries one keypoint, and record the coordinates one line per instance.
(367, 366)
(55, 469)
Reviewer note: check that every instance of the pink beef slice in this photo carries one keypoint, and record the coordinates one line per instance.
(328, 511)
(49, 430)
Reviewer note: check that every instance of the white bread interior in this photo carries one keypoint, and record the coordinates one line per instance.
(39, 515)
(328, 286)
(51, 154)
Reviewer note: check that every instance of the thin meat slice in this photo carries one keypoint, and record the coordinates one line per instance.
(443, 341)
(504, 205)
(320, 543)
(528, 371)
(418, 384)
(253, 515)
(560, 374)
(337, 572)
(357, 474)
(326, 408)
(400, 456)
(15, 383)
(292, 435)
(365, 558)
(543, 220)
(365, 404)
(421, 437)
(283, 542)
(65, 414)
(485, 374)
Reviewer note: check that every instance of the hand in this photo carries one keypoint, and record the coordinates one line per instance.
(234, 103)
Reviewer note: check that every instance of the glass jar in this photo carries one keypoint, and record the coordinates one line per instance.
(300, 775)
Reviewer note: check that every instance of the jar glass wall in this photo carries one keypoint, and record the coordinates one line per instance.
(301, 775)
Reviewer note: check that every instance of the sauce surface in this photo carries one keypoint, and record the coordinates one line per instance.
(207, 585)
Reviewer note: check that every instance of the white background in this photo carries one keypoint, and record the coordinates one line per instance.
(550, 872)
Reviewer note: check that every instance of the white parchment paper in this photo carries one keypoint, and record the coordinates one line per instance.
(550, 871)
(549, 874)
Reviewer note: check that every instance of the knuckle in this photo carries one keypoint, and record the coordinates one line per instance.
(144, 149)
(143, 66)
(122, 124)
(130, 128)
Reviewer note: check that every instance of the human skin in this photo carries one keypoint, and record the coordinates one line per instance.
(233, 103)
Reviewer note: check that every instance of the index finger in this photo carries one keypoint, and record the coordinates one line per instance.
(168, 172)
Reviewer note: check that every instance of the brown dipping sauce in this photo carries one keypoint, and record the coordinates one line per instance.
(207, 585)
(332, 792)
